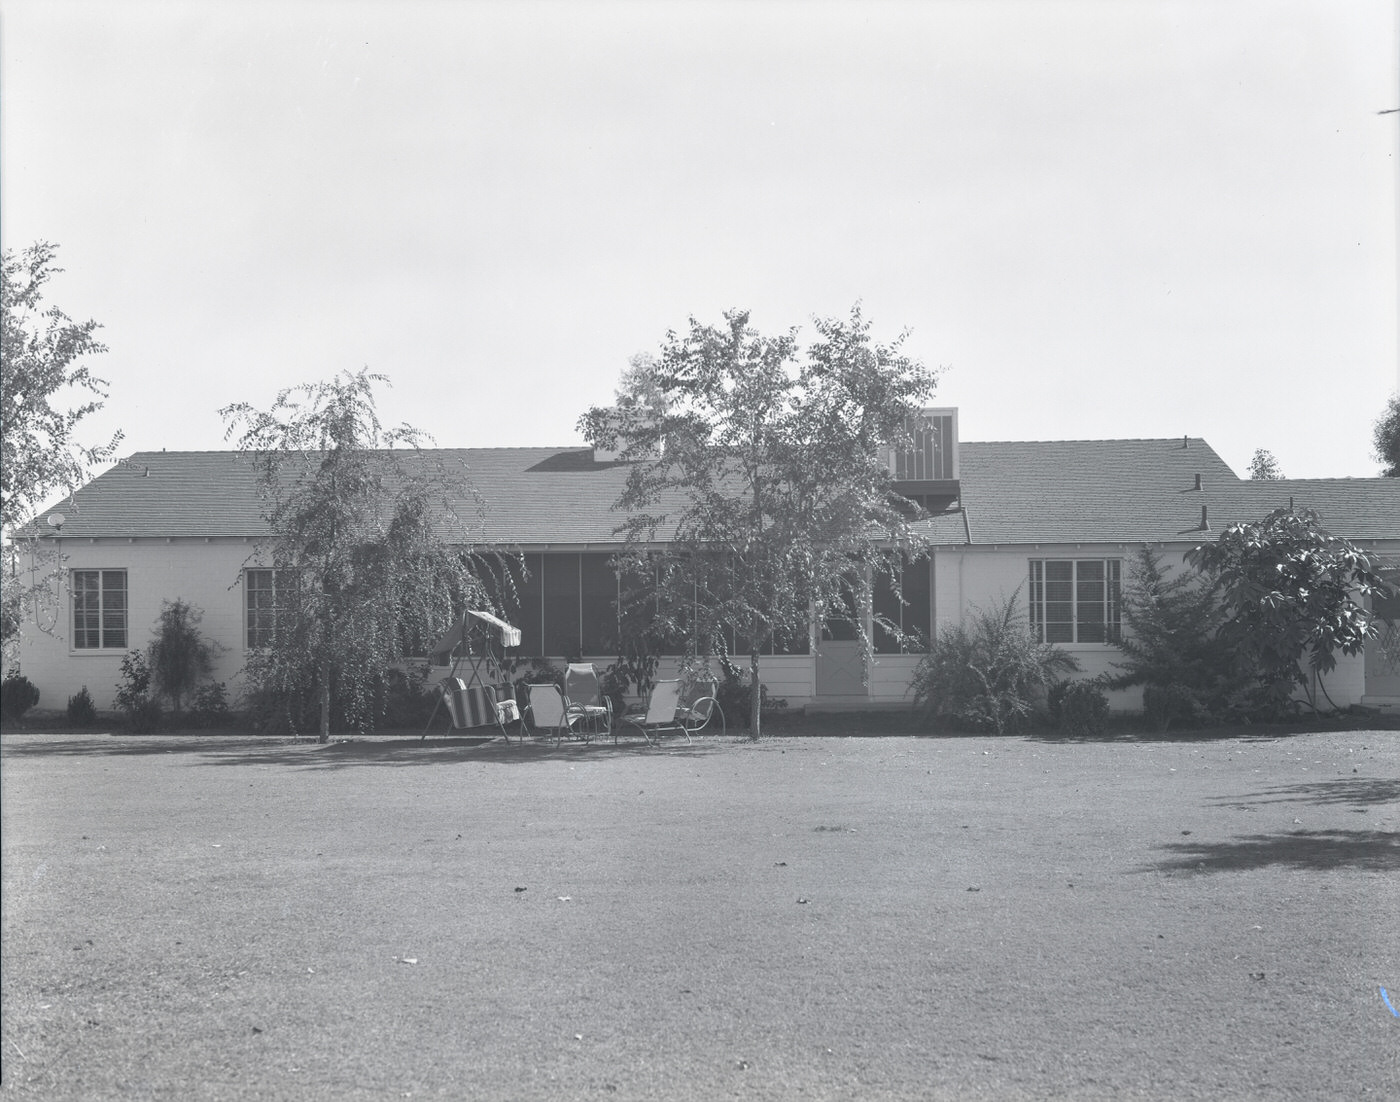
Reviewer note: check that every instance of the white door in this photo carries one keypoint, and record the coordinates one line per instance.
(840, 657)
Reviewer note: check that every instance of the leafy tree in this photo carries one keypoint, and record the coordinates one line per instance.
(1386, 437)
(1171, 646)
(371, 559)
(760, 469)
(179, 655)
(1264, 466)
(1290, 589)
(40, 353)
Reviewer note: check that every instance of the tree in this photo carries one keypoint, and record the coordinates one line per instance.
(1386, 437)
(758, 490)
(1171, 647)
(40, 353)
(371, 559)
(1264, 466)
(1290, 589)
(179, 655)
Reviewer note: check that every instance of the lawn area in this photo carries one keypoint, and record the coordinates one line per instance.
(219, 917)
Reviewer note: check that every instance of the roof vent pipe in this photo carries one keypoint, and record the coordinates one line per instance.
(1205, 520)
(1198, 480)
(1184, 440)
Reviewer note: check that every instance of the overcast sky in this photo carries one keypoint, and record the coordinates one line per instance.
(1126, 219)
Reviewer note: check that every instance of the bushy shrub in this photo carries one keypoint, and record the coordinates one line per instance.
(1078, 708)
(81, 712)
(17, 695)
(1174, 704)
(735, 696)
(209, 708)
(989, 674)
(1173, 650)
(134, 699)
(179, 656)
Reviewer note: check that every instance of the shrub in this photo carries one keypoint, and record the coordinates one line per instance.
(145, 715)
(179, 656)
(17, 695)
(1078, 708)
(735, 696)
(989, 674)
(209, 707)
(81, 712)
(1174, 703)
(134, 700)
(1172, 647)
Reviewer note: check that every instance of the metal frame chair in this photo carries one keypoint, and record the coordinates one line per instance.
(671, 708)
(584, 701)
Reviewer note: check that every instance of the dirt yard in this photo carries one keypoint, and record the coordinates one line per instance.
(853, 918)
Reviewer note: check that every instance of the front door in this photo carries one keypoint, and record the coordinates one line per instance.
(840, 654)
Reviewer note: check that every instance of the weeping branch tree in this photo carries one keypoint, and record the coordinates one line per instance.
(369, 553)
(41, 354)
(758, 495)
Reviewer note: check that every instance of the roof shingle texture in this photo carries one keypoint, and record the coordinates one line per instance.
(1020, 492)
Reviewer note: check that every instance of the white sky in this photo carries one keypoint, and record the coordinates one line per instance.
(1105, 219)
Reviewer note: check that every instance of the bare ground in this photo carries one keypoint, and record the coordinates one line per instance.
(224, 918)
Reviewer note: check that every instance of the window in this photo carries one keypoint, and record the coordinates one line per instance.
(1075, 600)
(914, 614)
(267, 600)
(99, 609)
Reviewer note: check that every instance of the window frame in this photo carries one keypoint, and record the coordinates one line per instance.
(272, 612)
(107, 612)
(1111, 600)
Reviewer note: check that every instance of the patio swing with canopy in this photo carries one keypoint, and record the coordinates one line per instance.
(482, 698)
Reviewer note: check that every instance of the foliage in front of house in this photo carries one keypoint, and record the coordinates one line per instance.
(1292, 596)
(135, 700)
(17, 695)
(41, 354)
(1172, 648)
(81, 711)
(988, 673)
(373, 558)
(759, 467)
(180, 657)
(1078, 708)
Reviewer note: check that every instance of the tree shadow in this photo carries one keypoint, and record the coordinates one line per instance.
(1302, 850)
(353, 753)
(344, 752)
(125, 745)
(1358, 792)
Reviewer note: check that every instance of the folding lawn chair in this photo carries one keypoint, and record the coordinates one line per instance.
(548, 710)
(670, 708)
(584, 701)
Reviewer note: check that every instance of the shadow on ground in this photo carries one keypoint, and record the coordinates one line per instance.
(1358, 792)
(1311, 850)
(344, 753)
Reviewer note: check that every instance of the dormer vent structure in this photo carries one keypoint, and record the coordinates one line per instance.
(925, 468)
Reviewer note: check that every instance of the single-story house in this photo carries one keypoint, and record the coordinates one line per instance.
(1058, 521)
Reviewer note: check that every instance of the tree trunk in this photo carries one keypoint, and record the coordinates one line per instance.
(325, 735)
(756, 703)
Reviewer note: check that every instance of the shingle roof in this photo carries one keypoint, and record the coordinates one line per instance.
(1132, 491)
(1023, 492)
